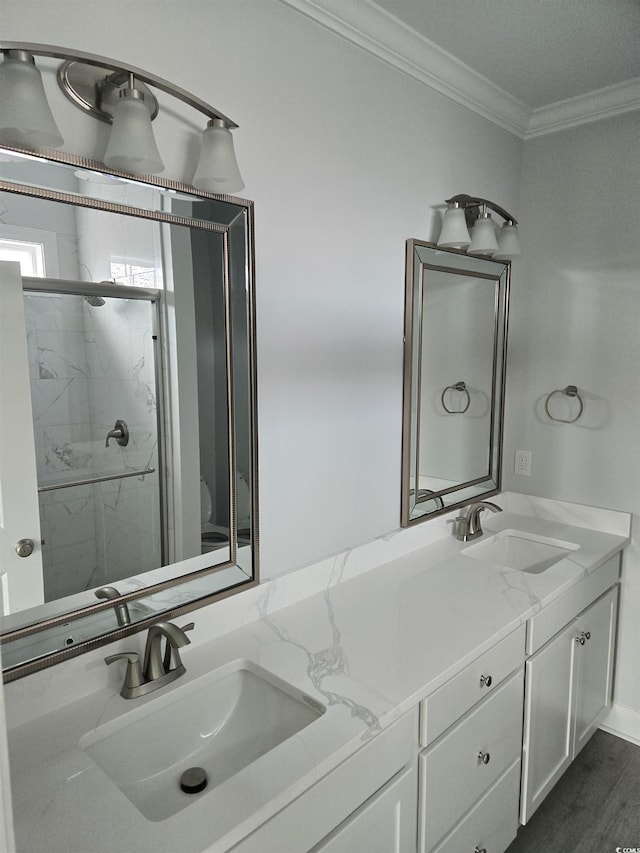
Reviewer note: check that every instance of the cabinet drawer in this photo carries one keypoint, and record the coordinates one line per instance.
(552, 618)
(492, 823)
(454, 698)
(452, 773)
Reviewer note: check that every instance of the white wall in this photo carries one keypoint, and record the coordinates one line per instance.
(345, 158)
(575, 319)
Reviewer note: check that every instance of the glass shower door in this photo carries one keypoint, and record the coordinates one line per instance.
(94, 389)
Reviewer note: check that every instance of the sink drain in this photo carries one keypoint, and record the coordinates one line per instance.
(193, 780)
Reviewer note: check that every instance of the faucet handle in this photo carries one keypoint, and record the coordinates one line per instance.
(461, 528)
(171, 658)
(133, 676)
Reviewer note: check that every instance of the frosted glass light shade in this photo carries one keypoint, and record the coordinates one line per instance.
(132, 146)
(26, 120)
(508, 243)
(217, 170)
(455, 234)
(483, 236)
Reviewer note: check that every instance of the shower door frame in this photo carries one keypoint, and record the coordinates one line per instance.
(121, 291)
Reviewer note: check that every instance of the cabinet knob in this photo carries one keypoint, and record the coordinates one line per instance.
(477, 849)
(580, 639)
(587, 634)
(485, 757)
(485, 681)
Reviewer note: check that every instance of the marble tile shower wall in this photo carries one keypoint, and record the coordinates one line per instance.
(88, 366)
(121, 364)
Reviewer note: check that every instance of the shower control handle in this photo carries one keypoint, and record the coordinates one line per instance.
(120, 432)
(24, 547)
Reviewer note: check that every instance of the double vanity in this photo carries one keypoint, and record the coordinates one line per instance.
(427, 703)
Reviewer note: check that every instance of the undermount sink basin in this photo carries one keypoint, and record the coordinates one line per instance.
(525, 552)
(221, 724)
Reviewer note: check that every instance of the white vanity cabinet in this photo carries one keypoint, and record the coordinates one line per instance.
(386, 823)
(468, 776)
(568, 692)
(368, 803)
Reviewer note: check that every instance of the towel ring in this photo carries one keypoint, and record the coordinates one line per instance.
(570, 391)
(459, 386)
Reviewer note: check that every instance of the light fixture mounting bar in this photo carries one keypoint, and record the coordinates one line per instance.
(96, 89)
(103, 62)
(472, 205)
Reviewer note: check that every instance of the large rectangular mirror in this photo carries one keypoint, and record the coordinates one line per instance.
(128, 472)
(455, 349)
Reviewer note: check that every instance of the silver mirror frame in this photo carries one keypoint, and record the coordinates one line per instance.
(455, 261)
(200, 599)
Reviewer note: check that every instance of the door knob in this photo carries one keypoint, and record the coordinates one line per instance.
(24, 547)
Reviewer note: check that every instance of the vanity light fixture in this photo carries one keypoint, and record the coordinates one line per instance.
(464, 212)
(26, 119)
(119, 94)
(132, 146)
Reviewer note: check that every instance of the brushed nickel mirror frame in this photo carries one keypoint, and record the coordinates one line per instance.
(241, 579)
(421, 258)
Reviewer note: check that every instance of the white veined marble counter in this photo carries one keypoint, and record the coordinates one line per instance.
(368, 648)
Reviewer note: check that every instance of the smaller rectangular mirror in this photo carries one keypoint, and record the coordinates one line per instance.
(456, 309)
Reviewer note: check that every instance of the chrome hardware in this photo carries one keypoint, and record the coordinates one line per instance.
(477, 849)
(133, 680)
(122, 611)
(88, 481)
(461, 528)
(155, 665)
(458, 386)
(484, 757)
(158, 669)
(427, 495)
(120, 432)
(469, 527)
(581, 638)
(486, 681)
(587, 635)
(569, 391)
(24, 547)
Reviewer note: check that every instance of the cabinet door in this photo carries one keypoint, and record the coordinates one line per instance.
(386, 823)
(549, 708)
(595, 666)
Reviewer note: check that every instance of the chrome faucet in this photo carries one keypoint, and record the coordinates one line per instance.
(158, 669)
(468, 526)
(123, 616)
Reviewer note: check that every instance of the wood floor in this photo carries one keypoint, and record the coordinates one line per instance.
(594, 808)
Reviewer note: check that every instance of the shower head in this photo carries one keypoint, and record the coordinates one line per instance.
(96, 301)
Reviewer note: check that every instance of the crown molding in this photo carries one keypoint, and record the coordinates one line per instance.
(594, 106)
(378, 32)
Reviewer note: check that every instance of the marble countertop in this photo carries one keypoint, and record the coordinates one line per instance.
(368, 649)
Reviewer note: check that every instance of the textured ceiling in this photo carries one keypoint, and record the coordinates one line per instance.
(540, 51)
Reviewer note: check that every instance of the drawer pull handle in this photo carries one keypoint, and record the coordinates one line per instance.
(581, 639)
(477, 849)
(486, 681)
(485, 757)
